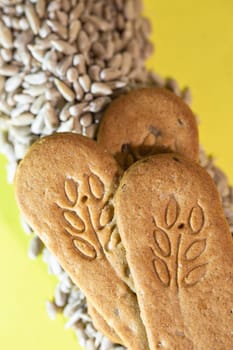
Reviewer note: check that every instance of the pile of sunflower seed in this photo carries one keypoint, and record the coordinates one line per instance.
(62, 62)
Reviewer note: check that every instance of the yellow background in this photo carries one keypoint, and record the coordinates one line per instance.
(194, 44)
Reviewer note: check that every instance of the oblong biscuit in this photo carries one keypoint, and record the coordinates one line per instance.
(63, 187)
(148, 121)
(180, 252)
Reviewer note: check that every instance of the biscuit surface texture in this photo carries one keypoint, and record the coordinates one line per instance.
(102, 326)
(148, 121)
(180, 252)
(63, 187)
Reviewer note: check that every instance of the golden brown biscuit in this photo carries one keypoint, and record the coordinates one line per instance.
(102, 326)
(148, 121)
(63, 186)
(180, 252)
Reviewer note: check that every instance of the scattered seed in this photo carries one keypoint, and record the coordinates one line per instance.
(83, 41)
(58, 28)
(22, 119)
(36, 78)
(6, 39)
(100, 89)
(77, 11)
(74, 29)
(32, 17)
(78, 90)
(72, 74)
(98, 104)
(64, 47)
(109, 74)
(40, 8)
(78, 109)
(63, 65)
(8, 70)
(79, 61)
(86, 120)
(35, 247)
(52, 310)
(85, 82)
(66, 92)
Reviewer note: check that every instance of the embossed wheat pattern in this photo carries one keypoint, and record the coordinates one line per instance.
(178, 248)
(78, 214)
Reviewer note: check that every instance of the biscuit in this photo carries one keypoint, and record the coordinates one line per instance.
(102, 326)
(63, 186)
(180, 252)
(148, 121)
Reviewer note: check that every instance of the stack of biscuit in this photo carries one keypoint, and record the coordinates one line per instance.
(137, 224)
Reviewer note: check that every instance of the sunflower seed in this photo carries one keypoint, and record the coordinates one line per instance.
(38, 123)
(100, 24)
(32, 18)
(23, 24)
(98, 104)
(64, 47)
(52, 310)
(86, 120)
(8, 70)
(79, 61)
(72, 74)
(66, 92)
(100, 89)
(63, 65)
(5, 108)
(27, 229)
(65, 114)
(44, 31)
(66, 126)
(78, 109)
(40, 8)
(62, 18)
(2, 84)
(78, 90)
(4, 122)
(60, 297)
(6, 39)
(50, 116)
(58, 28)
(94, 72)
(77, 11)
(83, 42)
(6, 54)
(19, 109)
(23, 119)
(50, 61)
(110, 74)
(85, 82)
(35, 90)
(23, 98)
(36, 78)
(38, 54)
(11, 170)
(74, 29)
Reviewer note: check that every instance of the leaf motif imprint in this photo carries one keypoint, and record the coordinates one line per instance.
(84, 248)
(194, 275)
(196, 219)
(71, 191)
(96, 186)
(75, 221)
(162, 242)
(171, 212)
(195, 249)
(161, 271)
(106, 215)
